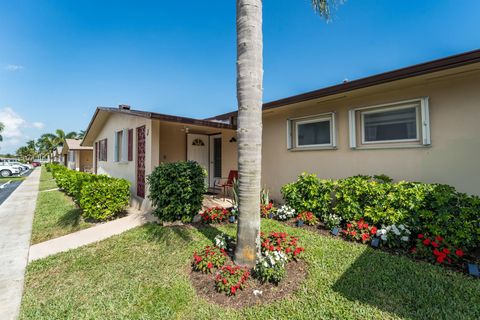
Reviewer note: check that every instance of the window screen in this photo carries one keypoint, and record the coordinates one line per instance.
(314, 133)
(390, 125)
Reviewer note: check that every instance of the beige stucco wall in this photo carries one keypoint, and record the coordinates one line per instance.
(452, 158)
(125, 170)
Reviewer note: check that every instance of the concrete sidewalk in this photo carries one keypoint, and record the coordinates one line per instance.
(84, 237)
(16, 217)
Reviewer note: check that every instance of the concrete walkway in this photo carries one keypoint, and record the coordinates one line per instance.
(84, 237)
(16, 217)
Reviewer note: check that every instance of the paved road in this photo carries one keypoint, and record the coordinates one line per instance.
(16, 216)
(6, 189)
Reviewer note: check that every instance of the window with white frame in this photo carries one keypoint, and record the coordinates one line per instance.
(311, 132)
(121, 146)
(71, 156)
(401, 123)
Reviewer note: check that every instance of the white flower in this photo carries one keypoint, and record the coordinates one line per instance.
(383, 237)
(404, 238)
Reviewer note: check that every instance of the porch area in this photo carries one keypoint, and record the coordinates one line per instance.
(213, 146)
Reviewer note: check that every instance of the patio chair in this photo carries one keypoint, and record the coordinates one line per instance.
(226, 183)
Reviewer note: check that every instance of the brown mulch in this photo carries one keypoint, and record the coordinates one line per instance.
(204, 285)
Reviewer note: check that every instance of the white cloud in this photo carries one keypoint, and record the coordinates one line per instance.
(12, 134)
(14, 67)
(38, 125)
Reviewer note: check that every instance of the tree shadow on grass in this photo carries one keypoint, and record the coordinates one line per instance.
(209, 231)
(70, 219)
(409, 289)
(168, 235)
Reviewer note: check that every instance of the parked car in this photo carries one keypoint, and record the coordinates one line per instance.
(23, 166)
(8, 170)
(36, 164)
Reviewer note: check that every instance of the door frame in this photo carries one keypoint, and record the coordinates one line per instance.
(211, 152)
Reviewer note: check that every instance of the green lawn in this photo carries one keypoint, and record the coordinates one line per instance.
(46, 180)
(142, 274)
(56, 214)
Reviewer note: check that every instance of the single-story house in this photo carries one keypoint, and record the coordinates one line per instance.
(419, 123)
(58, 156)
(77, 157)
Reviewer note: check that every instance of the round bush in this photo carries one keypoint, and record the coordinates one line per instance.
(176, 190)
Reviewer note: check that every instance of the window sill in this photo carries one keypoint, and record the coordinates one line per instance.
(122, 162)
(312, 148)
(404, 146)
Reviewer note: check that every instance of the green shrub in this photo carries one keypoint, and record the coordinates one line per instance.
(104, 198)
(309, 193)
(427, 208)
(176, 190)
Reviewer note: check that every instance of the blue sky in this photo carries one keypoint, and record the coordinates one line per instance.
(61, 59)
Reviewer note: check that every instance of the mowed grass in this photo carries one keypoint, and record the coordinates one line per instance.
(143, 274)
(46, 180)
(56, 214)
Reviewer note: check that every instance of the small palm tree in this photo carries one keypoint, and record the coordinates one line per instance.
(249, 132)
(81, 134)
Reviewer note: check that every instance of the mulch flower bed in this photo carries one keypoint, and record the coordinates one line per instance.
(266, 293)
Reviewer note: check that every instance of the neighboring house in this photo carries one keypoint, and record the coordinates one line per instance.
(419, 123)
(77, 157)
(130, 144)
(58, 156)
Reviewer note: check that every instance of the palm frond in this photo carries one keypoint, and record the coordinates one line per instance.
(324, 7)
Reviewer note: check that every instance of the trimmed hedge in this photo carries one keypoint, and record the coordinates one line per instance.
(176, 190)
(100, 197)
(427, 208)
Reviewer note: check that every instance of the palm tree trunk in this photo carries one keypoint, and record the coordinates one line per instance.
(249, 133)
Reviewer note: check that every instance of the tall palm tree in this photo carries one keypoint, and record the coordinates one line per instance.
(46, 144)
(60, 136)
(1, 130)
(81, 134)
(249, 132)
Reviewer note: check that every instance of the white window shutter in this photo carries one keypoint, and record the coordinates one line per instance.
(289, 134)
(352, 129)
(334, 131)
(125, 145)
(425, 122)
(115, 151)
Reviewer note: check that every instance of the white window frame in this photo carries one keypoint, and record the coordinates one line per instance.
(121, 158)
(423, 119)
(384, 109)
(324, 117)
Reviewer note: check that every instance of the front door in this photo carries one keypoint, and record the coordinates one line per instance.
(215, 158)
(141, 162)
(197, 150)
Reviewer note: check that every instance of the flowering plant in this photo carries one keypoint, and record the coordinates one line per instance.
(234, 210)
(223, 241)
(395, 236)
(214, 215)
(209, 259)
(359, 231)
(308, 218)
(281, 242)
(331, 220)
(285, 213)
(230, 279)
(270, 267)
(437, 249)
(266, 209)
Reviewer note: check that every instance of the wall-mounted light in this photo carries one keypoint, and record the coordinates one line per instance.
(233, 139)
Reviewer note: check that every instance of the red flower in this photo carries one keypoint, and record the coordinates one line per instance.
(426, 242)
(438, 238)
(436, 252)
(373, 230)
(353, 233)
(224, 281)
(434, 244)
(459, 253)
(209, 265)
(349, 225)
(365, 236)
(440, 259)
(233, 290)
(420, 236)
(446, 251)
